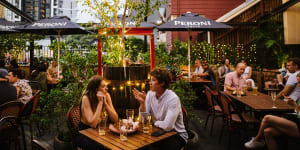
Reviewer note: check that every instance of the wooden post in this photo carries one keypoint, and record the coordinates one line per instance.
(152, 52)
(99, 58)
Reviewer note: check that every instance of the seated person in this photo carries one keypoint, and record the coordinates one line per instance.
(281, 78)
(207, 74)
(247, 74)
(24, 92)
(293, 65)
(165, 108)
(8, 92)
(40, 75)
(234, 80)
(273, 126)
(198, 68)
(94, 102)
(52, 73)
(222, 71)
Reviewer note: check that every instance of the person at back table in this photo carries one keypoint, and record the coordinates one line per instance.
(40, 75)
(94, 102)
(234, 80)
(208, 74)
(274, 126)
(198, 68)
(222, 71)
(247, 74)
(7, 91)
(293, 65)
(24, 91)
(165, 107)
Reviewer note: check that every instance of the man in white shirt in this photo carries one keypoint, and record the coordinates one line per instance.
(293, 66)
(165, 107)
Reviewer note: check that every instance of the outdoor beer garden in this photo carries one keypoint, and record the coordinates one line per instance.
(186, 81)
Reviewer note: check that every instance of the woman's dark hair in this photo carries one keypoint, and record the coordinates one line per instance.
(40, 68)
(91, 91)
(14, 63)
(162, 75)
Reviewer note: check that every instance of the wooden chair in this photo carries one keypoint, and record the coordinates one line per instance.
(9, 123)
(214, 110)
(26, 112)
(36, 145)
(233, 118)
(73, 121)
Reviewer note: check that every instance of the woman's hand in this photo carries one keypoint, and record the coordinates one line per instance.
(100, 97)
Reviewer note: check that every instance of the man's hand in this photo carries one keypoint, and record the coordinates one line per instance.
(140, 96)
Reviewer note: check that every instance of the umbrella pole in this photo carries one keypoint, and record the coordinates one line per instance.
(208, 41)
(58, 51)
(189, 54)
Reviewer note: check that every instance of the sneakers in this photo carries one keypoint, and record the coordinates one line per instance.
(254, 144)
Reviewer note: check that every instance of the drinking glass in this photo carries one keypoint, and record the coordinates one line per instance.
(273, 95)
(245, 89)
(123, 131)
(102, 124)
(130, 113)
(145, 121)
(238, 92)
(254, 90)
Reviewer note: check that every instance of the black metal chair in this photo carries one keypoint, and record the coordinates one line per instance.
(9, 123)
(25, 114)
(214, 109)
(233, 118)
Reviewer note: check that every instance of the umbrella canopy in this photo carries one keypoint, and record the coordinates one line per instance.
(191, 22)
(52, 26)
(7, 26)
(132, 23)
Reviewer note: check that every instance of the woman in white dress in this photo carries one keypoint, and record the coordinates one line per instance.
(247, 74)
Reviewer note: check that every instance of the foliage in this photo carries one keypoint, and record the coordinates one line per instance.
(113, 27)
(16, 43)
(80, 41)
(134, 47)
(187, 96)
(269, 38)
(53, 106)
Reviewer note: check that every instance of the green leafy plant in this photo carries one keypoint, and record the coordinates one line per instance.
(53, 106)
(269, 38)
(113, 30)
(187, 96)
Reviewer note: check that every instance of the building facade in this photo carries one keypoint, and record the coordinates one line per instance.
(212, 9)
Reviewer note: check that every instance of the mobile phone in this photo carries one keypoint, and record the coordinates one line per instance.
(158, 133)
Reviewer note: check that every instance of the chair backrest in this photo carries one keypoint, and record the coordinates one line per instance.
(36, 145)
(11, 108)
(30, 107)
(226, 104)
(35, 100)
(185, 117)
(8, 124)
(208, 94)
(229, 107)
(74, 116)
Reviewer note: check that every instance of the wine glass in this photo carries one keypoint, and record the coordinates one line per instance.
(273, 95)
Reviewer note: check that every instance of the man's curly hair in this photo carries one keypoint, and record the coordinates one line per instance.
(162, 75)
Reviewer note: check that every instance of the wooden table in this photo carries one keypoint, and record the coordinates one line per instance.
(262, 102)
(197, 80)
(136, 140)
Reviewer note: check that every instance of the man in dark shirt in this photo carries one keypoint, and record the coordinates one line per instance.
(7, 91)
(208, 74)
